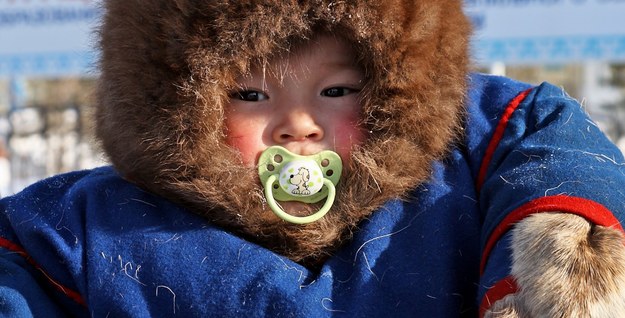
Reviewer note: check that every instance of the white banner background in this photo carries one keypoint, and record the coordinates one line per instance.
(54, 37)
(547, 31)
(47, 37)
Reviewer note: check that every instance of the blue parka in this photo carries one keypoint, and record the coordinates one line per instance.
(89, 243)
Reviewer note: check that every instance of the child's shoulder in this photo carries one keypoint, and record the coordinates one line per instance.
(493, 92)
(67, 184)
(66, 197)
(492, 99)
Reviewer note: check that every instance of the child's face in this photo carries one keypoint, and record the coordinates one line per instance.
(306, 102)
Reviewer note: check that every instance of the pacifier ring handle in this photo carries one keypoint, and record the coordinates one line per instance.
(299, 219)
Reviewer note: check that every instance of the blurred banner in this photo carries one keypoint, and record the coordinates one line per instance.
(47, 37)
(54, 37)
(547, 31)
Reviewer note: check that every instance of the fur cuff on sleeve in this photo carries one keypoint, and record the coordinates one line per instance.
(565, 267)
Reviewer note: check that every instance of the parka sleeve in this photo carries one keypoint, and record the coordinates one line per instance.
(21, 294)
(33, 282)
(544, 155)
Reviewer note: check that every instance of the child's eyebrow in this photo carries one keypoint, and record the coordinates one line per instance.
(340, 64)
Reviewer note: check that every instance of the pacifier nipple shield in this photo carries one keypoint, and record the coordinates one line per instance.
(290, 177)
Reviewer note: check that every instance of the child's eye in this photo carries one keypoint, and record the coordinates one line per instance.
(249, 96)
(338, 91)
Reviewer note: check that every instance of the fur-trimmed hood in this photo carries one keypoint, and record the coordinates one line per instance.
(167, 67)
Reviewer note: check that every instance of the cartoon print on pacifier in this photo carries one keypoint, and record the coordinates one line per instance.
(290, 177)
(300, 180)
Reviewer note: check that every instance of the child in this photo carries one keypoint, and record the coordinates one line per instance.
(460, 194)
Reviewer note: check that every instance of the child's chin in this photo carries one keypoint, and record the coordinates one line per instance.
(298, 208)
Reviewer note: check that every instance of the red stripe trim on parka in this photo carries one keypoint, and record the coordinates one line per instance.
(589, 210)
(500, 290)
(497, 136)
(73, 295)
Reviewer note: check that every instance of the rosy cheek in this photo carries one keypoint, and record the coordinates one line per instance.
(246, 146)
(346, 137)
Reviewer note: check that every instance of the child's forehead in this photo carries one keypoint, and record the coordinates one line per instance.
(320, 43)
(323, 51)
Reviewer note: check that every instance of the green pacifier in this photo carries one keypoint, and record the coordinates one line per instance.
(290, 177)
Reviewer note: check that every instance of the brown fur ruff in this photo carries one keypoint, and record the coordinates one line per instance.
(167, 66)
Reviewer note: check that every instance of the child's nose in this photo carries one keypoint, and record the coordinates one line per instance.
(297, 125)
